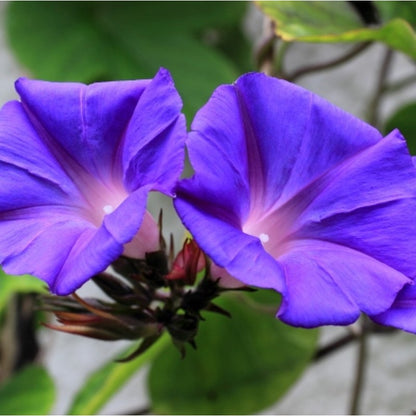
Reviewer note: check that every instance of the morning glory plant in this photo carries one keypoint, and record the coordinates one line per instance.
(292, 214)
(77, 165)
(293, 194)
(289, 193)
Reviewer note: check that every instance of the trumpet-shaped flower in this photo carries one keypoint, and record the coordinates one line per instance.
(76, 165)
(292, 193)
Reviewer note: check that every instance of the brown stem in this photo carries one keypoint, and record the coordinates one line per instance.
(353, 335)
(329, 64)
(333, 346)
(373, 112)
(398, 85)
(264, 55)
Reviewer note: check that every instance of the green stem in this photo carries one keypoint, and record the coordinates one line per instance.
(106, 381)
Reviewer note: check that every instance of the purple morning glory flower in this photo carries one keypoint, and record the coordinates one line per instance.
(292, 193)
(77, 163)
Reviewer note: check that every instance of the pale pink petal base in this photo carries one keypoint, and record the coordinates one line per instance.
(226, 280)
(145, 241)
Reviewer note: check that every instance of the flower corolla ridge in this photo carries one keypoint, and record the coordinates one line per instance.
(77, 163)
(293, 194)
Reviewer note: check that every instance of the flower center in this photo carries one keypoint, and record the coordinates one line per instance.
(108, 209)
(271, 230)
(264, 238)
(101, 199)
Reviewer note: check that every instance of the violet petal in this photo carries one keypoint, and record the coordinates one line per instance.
(66, 207)
(290, 192)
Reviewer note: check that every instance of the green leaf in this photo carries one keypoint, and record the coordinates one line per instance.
(9, 285)
(404, 120)
(318, 21)
(403, 9)
(299, 19)
(92, 41)
(30, 392)
(110, 378)
(241, 365)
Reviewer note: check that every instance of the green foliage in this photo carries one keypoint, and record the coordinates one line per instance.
(305, 19)
(92, 41)
(319, 21)
(29, 392)
(404, 120)
(10, 285)
(403, 9)
(241, 365)
(109, 379)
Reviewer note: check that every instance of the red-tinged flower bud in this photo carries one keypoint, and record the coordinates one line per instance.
(100, 320)
(86, 331)
(189, 261)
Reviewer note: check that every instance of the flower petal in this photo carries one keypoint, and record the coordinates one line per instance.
(282, 172)
(65, 211)
(145, 240)
(92, 253)
(125, 221)
(379, 174)
(65, 251)
(328, 284)
(240, 254)
(20, 188)
(23, 152)
(164, 130)
(218, 150)
(384, 232)
(294, 136)
(42, 256)
(19, 227)
(402, 313)
(74, 116)
(249, 155)
(364, 203)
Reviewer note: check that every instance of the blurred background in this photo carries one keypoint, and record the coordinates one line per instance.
(203, 46)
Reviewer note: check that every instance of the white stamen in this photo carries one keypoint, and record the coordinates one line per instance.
(108, 209)
(264, 238)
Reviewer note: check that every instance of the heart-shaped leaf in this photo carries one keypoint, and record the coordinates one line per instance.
(241, 365)
(30, 392)
(93, 41)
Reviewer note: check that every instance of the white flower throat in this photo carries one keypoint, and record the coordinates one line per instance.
(264, 238)
(108, 209)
